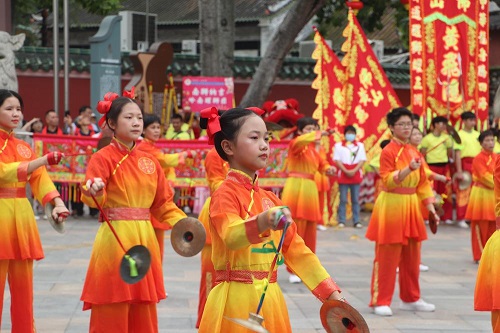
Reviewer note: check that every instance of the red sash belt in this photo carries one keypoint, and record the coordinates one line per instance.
(401, 190)
(481, 185)
(243, 276)
(126, 213)
(12, 192)
(301, 175)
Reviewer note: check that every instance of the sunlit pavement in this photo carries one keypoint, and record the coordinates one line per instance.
(345, 253)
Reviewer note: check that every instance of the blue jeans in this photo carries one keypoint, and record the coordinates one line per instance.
(343, 202)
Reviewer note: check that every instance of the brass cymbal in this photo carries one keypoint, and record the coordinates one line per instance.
(339, 317)
(59, 227)
(253, 323)
(464, 183)
(188, 237)
(432, 223)
(135, 264)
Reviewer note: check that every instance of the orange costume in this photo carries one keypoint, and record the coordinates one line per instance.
(19, 239)
(323, 184)
(481, 207)
(300, 192)
(167, 162)
(487, 293)
(135, 186)
(397, 226)
(216, 170)
(242, 258)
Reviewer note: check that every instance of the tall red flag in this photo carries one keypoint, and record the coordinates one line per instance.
(369, 95)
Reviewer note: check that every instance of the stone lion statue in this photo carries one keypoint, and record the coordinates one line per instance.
(9, 44)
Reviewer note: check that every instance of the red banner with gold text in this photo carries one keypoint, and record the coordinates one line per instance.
(449, 58)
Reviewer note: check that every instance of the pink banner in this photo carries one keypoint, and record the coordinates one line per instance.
(200, 92)
(191, 174)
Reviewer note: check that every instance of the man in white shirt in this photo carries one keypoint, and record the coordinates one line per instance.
(349, 155)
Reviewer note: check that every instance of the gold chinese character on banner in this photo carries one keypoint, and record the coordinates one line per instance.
(364, 98)
(417, 99)
(450, 65)
(365, 78)
(437, 4)
(451, 38)
(376, 96)
(463, 5)
(416, 47)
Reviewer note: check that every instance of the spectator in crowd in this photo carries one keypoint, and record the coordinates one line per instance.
(68, 127)
(52, 123)
(35, 125)
(349, 155)
(464, 155)
(178, 129)
(86, 110)
(437, 147)
(415, 119)
(86, 128)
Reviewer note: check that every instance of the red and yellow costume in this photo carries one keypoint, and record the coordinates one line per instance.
(487, 293)
(469, 148)
(300, 192)
(323, 184)
(168, 162)
(397, 226)
(233, 225)
(135, 186)
(481, 207)
(19, 239)
(215, 170)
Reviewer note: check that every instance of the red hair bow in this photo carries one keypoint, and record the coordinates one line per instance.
(104, 106)
(256, 110)
(213, 126)
(129, 94)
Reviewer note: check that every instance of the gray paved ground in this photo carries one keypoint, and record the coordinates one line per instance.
(345, 253)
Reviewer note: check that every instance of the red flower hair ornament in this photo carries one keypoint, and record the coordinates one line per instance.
(104, 106)
(213, 124)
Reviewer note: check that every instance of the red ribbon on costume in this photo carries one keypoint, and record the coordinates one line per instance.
(256, 110)
(104, 106)
(129, 94)
(213, 126)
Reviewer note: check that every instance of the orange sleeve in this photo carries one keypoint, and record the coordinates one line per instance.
(43, 188)
(163, 208)
(97, 167)
(235, 232)
(302, 141)
(424, 189)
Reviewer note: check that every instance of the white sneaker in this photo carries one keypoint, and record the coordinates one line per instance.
(294, 279)
(383, 310)
(462, 224)
(449, 222)
(419, 305)
(341, 225)
(321, 227)
(423, 268)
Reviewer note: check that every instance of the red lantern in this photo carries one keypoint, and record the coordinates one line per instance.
(355, 5)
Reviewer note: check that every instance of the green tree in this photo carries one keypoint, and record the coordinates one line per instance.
(334, 13)
(328, 13)
(23, 21)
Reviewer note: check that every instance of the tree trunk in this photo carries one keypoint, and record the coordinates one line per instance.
(216, 37)
(279, 46)
(226, 37)
(209, 39)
